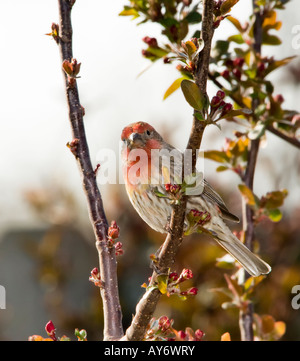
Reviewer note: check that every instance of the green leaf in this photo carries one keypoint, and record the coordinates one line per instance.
(275, 215)
(221, 48)
(158, 52)
(247, 194)
(216, 155)
(192, 94)
(278, 63)
(159, 194)
(268, 39)
(193, 17)
(273, 199)
(236, 39)
(227, 5)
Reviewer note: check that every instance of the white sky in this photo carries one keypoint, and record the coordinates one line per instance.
(34, 126)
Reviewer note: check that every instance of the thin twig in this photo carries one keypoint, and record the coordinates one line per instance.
(107, 259)
(291, 140)
(146, 306)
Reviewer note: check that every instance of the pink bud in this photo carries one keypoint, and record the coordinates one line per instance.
(279, 98)
(50, 329)
(192, 291)
(152, 42)
(186, 274)
(239, 62)
(227, 108)
(95, 271)
(215, 101)
(173, 276)
(261, 67)
(119, 249)
(113, 230)
(221, 94)
(225, 74)
(164, 323)
(198, 335)
(181, 335)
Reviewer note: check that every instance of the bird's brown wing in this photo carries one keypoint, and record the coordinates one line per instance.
(210, 194)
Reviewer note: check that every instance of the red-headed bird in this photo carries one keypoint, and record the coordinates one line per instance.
(144, 178)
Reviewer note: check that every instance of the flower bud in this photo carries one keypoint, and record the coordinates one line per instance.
(279, 98)
(220, 94)
(215, 101)
(181, 335)
(186, 274)
(119, 249)
(199, 335)
(225, 74)
(173, 276)
(237, 73)
(260, 68)
(95, 277)
(50, 329)
(113, 230)
(164, 323)
(239, 62)
(227, 108)
(152, 42)
(192, 291)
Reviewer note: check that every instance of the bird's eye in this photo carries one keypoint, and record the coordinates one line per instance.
(148, 132)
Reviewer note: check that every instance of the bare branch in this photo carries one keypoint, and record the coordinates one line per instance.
(246, 315)
(107, 259)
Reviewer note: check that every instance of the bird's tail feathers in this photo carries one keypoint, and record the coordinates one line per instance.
(251, 263)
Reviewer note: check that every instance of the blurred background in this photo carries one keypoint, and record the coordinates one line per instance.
(46, 243)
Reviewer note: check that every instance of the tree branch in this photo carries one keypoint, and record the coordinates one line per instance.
(292, 140)
(166, 258)
(246, 314)
(107, 259)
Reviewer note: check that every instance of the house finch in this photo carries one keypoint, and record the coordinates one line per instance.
(149, 184)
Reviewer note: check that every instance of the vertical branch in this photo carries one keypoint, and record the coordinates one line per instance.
(107, 259)
(201, 75)
(146, 306)
(246, 314)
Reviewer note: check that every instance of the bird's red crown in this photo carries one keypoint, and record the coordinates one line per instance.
(139, 127)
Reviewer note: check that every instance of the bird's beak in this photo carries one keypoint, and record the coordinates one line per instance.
(135, 139)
